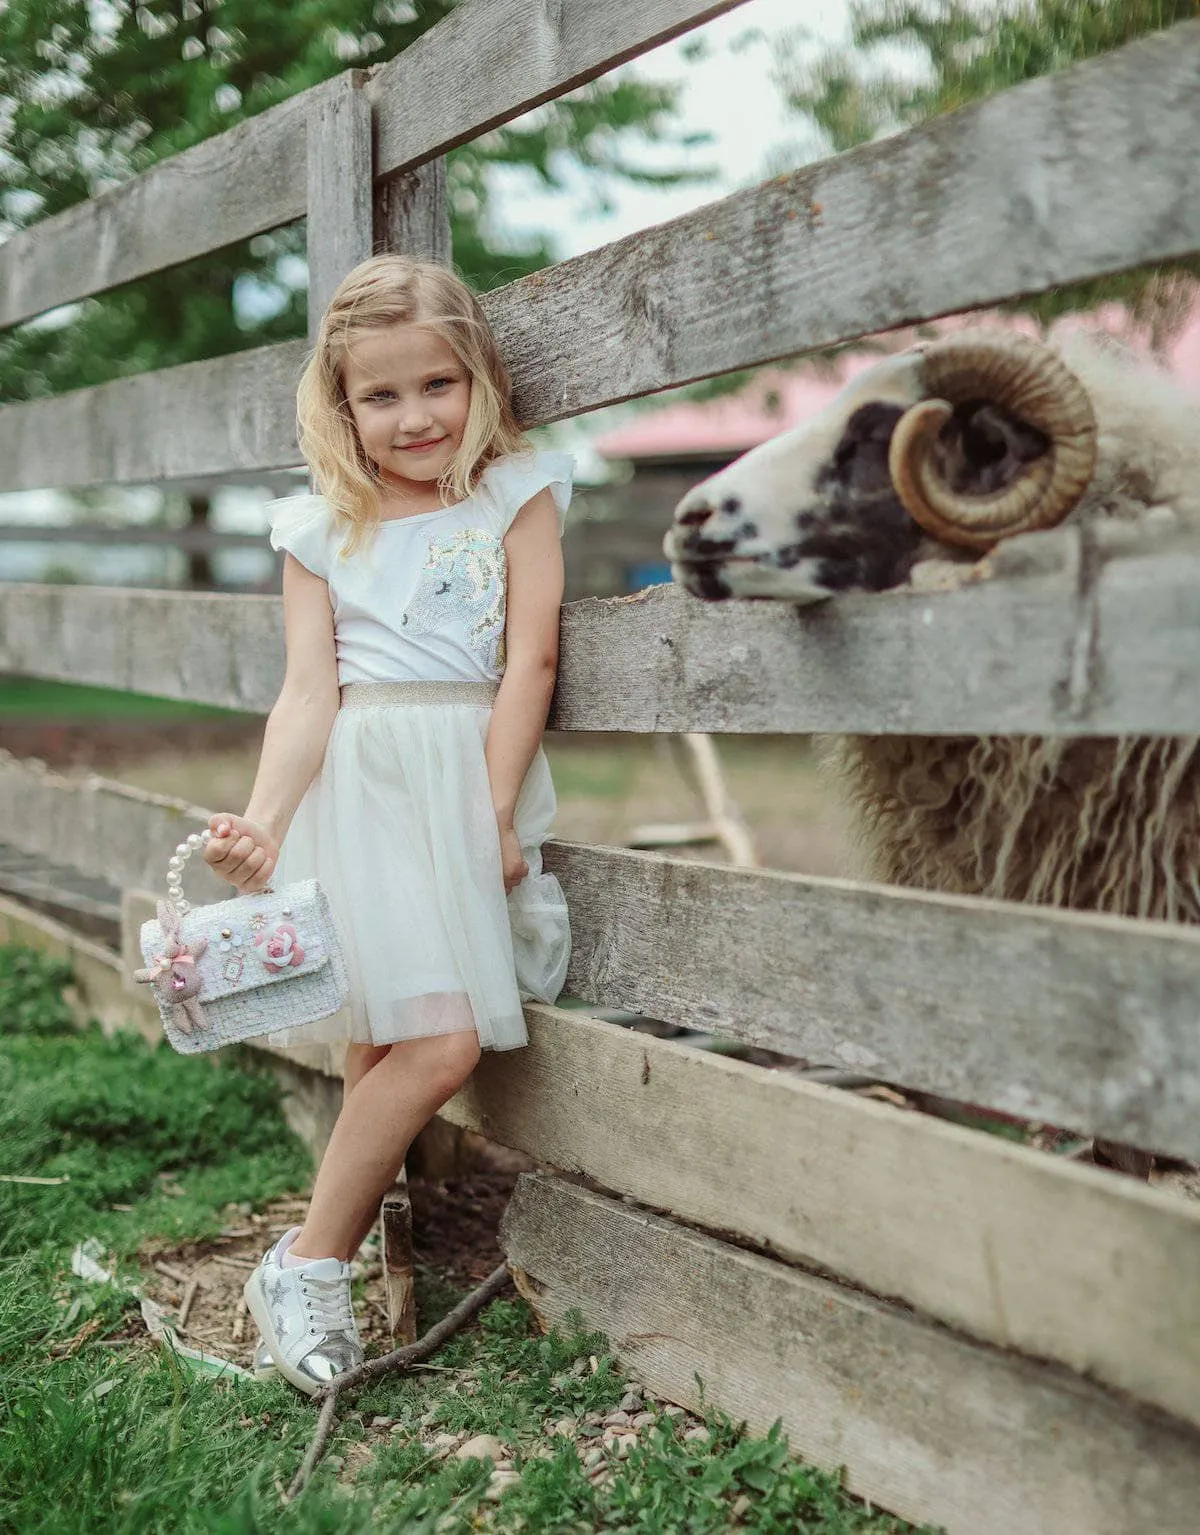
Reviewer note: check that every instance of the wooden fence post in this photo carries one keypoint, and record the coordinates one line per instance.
(412, 215)
(340, 179)
(340, 235)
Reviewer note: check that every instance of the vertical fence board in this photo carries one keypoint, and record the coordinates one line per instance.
(412, 216)
(339, 188)
(396, 1254)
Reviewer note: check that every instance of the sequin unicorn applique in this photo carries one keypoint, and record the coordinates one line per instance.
(463, 580)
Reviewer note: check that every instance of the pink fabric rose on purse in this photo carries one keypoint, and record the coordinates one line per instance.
(283, 948)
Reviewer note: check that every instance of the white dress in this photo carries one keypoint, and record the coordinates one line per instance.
(398, 824)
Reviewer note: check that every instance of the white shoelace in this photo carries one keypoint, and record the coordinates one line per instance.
(327, 1305)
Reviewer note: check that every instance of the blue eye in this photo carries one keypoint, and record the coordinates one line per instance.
(439, 383)
(380, 394)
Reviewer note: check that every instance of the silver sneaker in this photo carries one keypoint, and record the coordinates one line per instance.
(263, 1367)
(305, 1316)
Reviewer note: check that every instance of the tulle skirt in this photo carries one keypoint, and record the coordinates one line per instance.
(399, 828)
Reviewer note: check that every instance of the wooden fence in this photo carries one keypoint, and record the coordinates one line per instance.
(986, 1337)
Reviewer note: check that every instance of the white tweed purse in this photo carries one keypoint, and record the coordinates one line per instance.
(238, 969)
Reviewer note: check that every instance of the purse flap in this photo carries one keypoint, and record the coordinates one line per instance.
(252, 940)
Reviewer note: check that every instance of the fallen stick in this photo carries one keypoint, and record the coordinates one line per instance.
(399, 1359)
(189, 1295)
(216, 1339)
(239, 1321)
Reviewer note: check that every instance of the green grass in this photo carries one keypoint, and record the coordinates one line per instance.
(112, 1115)
(29, 698)
(123, 1438)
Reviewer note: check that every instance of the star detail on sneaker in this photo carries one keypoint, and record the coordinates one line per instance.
(281, 1325)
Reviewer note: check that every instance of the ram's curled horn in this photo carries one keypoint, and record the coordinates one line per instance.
(1033, 383)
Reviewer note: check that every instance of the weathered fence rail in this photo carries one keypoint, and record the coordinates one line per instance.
(929, 1422)
(1027, 655)
(1038, 178)
(985, 1336)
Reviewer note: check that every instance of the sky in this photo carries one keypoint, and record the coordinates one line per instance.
(728, 94)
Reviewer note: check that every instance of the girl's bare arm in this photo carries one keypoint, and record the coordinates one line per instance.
(535, 588)
(294, 740)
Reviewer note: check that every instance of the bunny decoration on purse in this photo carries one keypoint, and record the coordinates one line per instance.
(218, 972)
(173, 973)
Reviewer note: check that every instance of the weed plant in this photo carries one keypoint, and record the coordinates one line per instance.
(102, 1431)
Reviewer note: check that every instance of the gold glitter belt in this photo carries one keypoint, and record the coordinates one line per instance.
(366, 695)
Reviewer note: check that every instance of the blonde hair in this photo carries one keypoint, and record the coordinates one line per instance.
(392, 290)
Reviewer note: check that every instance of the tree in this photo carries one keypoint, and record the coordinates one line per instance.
(966, 52)
(93, 91)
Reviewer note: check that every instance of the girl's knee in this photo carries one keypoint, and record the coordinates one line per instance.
(457, 1057)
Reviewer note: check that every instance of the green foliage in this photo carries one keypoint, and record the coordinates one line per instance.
(967, 51)
(31, 998)
(91, 94)
(971, 51)
(123, 1124)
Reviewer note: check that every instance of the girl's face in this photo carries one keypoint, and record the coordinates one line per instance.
(409, 395)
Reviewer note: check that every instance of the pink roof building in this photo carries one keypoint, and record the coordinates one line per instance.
(777, 400)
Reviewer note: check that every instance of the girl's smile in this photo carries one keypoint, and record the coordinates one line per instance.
(409, 395)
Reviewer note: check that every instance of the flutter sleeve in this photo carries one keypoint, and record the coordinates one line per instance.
(302, 526)
(515, 480)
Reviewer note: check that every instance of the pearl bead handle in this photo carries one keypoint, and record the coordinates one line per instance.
(183, 851)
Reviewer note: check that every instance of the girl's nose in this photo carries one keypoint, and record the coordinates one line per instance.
(414, 415)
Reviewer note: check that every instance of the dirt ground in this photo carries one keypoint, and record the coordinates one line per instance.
(455, 1228)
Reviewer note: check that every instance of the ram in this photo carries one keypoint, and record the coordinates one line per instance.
(919, 468)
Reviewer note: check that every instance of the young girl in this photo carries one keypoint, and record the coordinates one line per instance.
(402, 762)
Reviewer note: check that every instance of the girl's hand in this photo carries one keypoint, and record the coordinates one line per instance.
(512, 858)
(241, 852)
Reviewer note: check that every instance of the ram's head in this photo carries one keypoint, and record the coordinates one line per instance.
(967, 441)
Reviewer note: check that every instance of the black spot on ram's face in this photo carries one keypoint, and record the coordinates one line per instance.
(706, 581)
(857, 530)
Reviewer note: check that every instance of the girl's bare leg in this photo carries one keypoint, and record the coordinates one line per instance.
(389, 1103)
(359, 1060)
